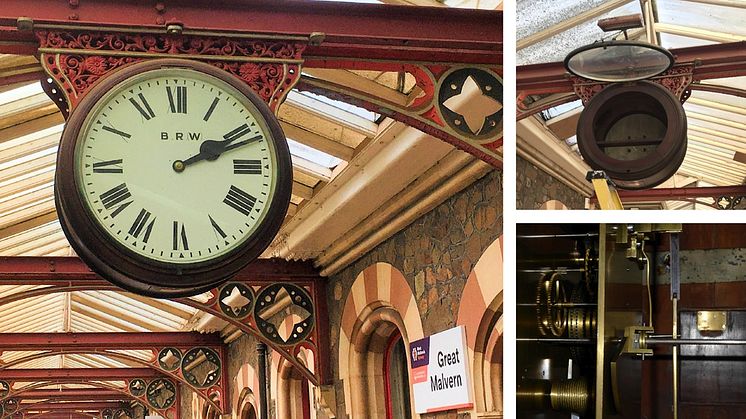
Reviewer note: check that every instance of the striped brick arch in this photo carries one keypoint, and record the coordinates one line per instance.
(245, 385)
(553, 205)
(481, 314)
(379, 305)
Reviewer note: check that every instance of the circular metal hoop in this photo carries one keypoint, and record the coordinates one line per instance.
(649, 160)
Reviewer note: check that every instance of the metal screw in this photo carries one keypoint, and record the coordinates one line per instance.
(174, 29)
(160, 7)
(74, 3)
(74, 16)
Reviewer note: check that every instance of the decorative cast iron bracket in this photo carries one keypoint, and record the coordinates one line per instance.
(433, 111)
(160, 394)
(676, 80)
(76, 60)
(276, 301)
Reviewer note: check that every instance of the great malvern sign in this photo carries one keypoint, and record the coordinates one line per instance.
(440, 372)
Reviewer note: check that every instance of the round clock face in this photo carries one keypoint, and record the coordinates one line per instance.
(177, 167)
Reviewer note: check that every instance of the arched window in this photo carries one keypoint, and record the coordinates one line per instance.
(379, 319)
(553, 205)
(294, 393)
(481, 313)
(396, 379)
(246, 409)
(209, 412)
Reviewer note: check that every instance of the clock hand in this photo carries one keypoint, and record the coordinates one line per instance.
(210, 150)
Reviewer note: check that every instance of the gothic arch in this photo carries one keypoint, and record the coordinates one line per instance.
(379, 305)
(481, 313)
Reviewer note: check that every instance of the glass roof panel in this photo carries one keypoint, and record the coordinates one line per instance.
(356, 110)
(534, 16)
(20, 93)
(309, 153)
(709, 17)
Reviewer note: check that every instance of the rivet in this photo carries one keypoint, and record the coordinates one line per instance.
(74, 16)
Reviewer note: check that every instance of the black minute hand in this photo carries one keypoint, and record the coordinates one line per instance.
(210, 150)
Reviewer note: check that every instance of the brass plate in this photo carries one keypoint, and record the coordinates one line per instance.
(712, 321)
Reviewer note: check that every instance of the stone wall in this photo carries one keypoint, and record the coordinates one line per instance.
(534, 187)
(436, 254)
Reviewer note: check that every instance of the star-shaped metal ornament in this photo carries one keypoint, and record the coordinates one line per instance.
(481, 106)
(471, 103)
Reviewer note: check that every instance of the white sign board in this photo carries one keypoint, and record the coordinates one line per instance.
(440, 372)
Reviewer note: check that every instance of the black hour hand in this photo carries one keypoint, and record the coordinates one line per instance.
(210, 150)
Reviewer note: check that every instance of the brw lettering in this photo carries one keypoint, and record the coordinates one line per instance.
(181, 136)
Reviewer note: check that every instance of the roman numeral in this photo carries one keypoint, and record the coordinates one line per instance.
(115, 197)
(108, 166)
(180, 237)
(238, 133)
(180, 104)
(116, 131)
(139, 224)
(217, 228)
(145, 110)
(239, 200)
(247, 167)
(211, 109)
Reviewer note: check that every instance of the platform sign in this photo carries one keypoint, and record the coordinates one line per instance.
(440, 372)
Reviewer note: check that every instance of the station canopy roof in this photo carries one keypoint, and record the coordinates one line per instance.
(332, 144)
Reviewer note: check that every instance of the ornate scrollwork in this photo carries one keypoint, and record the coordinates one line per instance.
(77, 60)
(677, 81)
(171, 44)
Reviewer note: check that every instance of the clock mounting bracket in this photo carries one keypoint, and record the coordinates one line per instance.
(75, 61)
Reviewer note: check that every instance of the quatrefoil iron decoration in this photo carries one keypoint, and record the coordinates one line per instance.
(137, 387)
(169, 358)
(161, 393)
(201, 367)
(10, 405)
(236, 300)
(484, 92)
(273, 301)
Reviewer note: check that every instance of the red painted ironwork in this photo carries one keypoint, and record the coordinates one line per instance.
(52, 344)
(71, 394)
(100, 378)
(709, 62)
(421, 113)
(107, 340)
(676, 80)
(349, 30)
(108, 374)
(77, 60)
(78, 55)
(79, 405)
(52, 270)
(67, 274)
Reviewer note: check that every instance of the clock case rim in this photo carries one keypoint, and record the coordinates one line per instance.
(131, 270)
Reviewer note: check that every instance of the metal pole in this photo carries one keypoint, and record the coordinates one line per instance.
(261, 350)
(686, 342)
(555, 236)
(560, 305)
(675, 294)
(573, 341)
(558, 270)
